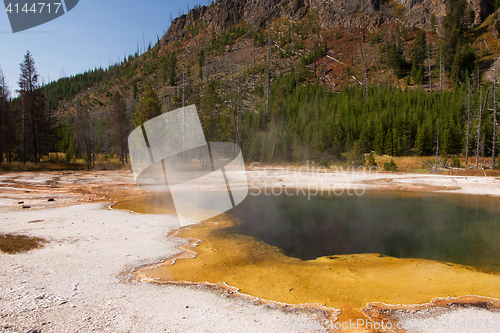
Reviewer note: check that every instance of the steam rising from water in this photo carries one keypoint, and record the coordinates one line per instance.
(431, 227)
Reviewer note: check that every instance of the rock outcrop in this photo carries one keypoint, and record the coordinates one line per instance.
(366, 14)
(226, 13)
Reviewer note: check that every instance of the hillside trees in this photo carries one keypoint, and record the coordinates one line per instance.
(67, 87)
(419, 54)
(148, 107)
(394, 57)
(457, 20)
(463, 64)
(169, 68)
(210, 103)
(310, 122)
(201, 62)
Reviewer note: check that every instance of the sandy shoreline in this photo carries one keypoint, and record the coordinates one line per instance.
(76, 282)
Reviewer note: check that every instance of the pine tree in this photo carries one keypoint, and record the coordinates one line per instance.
(395, 58)
(423, 141)
(210, 104)
(148, 107)
(172, 68)
(446, 142)
(419, 50)
(455, 23)
(35, 122)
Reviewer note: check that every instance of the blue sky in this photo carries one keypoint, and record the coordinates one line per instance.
(95, 33)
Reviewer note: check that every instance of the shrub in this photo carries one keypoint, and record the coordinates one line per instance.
(324, 163)
(370, 160)
(355, 156)
(375, 39)
(455, 162)
(390, 166)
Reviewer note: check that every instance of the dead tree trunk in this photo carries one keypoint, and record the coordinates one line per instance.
(268, 75)
(468, 125)
(365, 67)
(494, 119)
(429, 63)
(437, 149)
(482, 107)
(479, 127)
(440, 70)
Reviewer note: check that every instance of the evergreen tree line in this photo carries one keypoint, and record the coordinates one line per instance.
(306, 121)
(309, 122)
(25, 125)
(68, 87)
(29, 131)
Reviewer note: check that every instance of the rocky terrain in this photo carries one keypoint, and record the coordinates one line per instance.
(365, 14)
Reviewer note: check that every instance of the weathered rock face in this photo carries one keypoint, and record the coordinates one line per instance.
(482, 8)
(366, 14)
(226, 13)
(419, 12)
(176, 29)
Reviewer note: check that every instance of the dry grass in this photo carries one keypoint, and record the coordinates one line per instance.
(12, 244)
(405, 164)
(415, 164)
(410, 164)
(80, 164)
(473, 172)
(43, 166)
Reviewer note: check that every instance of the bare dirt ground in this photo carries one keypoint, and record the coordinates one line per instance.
(76, 282)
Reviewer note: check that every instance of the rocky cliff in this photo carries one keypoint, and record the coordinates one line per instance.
(366, 14)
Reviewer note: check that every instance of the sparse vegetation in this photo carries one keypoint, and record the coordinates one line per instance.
(12, 244)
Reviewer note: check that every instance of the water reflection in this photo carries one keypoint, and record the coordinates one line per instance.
(452, 228)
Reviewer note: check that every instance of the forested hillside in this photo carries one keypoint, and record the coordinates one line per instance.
(287, 82)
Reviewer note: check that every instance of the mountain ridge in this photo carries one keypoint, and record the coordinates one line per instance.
(363, 14)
